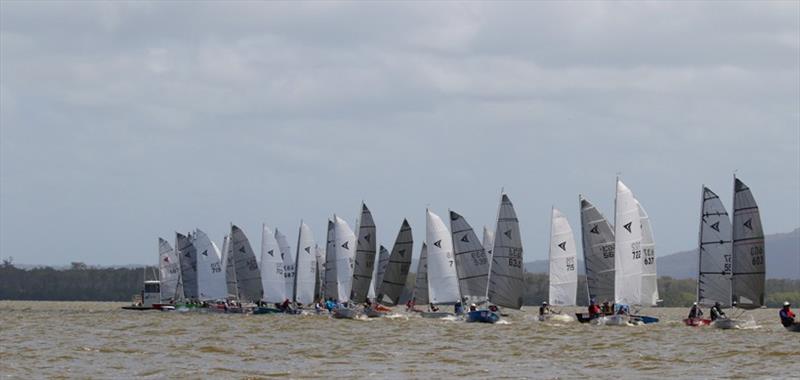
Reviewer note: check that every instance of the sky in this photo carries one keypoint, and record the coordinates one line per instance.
(124, 121)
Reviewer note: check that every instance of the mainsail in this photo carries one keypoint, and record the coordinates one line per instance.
(188, 257)
(649, 275)
(421, 283)
(320, 252)
(598, 252)
(714, 277)
(330, 289)
(306, 266)
(627, 241)
(343, 245)
(383, 262)
(248, 276)
(272, 279)
(365, 256)
(170, 269)
(394, 278)
(472, 265)
(210, 276)
(230, 267)
(442, 278)
(488, 241)
(288, 262)
(748, 279)
(506, 277)
(563, 261)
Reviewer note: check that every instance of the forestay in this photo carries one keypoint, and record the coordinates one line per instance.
(344, 244)
(248, 276)
(365, 256)
(563, 261)
(170, 271)
(506, 278)
(472, 265)
(442, 278)
(598, 252)
(649, 275)
(714, 277)
(421, 284)
(394, 278)
(306, 266)
(748, 249)
(288, 262)
(188, 258)
(210, 275)
(272, 279)
(628, 241)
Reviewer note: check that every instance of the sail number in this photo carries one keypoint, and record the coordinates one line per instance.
(649, 256)
(608, 251)
(570, 264)
(726, 268)
(252, 264)
(515, 257)
(636, 250)
(479, 258)
(216, 268)
(757, 255)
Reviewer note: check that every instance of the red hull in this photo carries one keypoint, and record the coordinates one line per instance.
(696, 322)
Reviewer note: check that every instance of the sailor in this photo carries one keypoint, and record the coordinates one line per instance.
(432, 307)
(285, 305)
(329, 304)
(410, 304)
(606, 308)
(493, 308)
(594, 311)
(544, 309)
(695, 312)
(716, 312)
(787, 316)
(458, 309)
(473, 307)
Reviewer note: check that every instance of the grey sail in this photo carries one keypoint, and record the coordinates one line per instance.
(383, 262)
(188, 258)
(714, 277)
(748, 279)
(366, 248)
(289, 261)
(506, 278)
(394, 278)
(598, 252)
(472, 265)
(421, 284)
(248, 276)
(170, 270)
(230, 268)
(329, 283)
(320, 252)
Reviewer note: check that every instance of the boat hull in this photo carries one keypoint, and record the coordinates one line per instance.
(266, 310)
(556, 318)
(794, 327)
(372, 313)
(727, 324)
(482, 316)
(696, 322)
(436, 314)
(342, 313)
(644, 319)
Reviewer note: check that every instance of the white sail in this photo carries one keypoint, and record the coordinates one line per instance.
(380, 269)
(288, 262)
(394, 278)
(488, 241)
(343, 247)
(442, 277)
(563, 261)
(714, 277)
(230, 268)
(649, 275)
(330, 289)
(272, 279)
(306, 266)
(598, 253)
(188, 258)
(248, 276)
(421, 283)
(747, 282)
(210, 274)
(472, 265)
(365, 256)
(628, 250)
(170, 271)
(506, 276)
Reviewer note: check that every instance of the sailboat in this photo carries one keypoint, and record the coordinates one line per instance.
(563, 267)
(628, 255)
(272, 278)
(472, 265)
(248, 275)
(506, 277)
(187, 255)
(649, 274)
(170, 272)
(366, 247)
(229, 267)
(597, 236)
(341, 259)
(210, 276)
(420, 294)
(394, 278)
(442, 277)
(288, 262)
(305, 267)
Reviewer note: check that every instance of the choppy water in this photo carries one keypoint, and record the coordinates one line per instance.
(99, 340)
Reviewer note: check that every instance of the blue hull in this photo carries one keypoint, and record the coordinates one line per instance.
(645, 319)
(483, 316)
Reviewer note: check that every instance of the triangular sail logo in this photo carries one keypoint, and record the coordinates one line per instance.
(402, 252)
(367, 237)
(628, 226)
(346, 245)
(242, 250)
(438, 243)
(508, 233)
(465, 239)
(187, 254)
(749, 224)
(271, 252)
(715, 226)
(308, 250)
(563, 246)
(205, 253)
(166, 259)
(595, 230)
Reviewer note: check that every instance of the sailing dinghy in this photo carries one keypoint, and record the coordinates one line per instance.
(598, 255)
(563, 267)
(394, 277)
(442, 276)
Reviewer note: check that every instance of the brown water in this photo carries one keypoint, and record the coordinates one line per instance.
(99, 340)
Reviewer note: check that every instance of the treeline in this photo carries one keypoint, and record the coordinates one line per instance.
(84, 283)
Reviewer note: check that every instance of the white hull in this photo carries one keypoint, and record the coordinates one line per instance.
(612, 320)
(556, 318)
(728, 324)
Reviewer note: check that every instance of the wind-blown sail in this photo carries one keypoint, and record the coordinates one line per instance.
(394, 278)
(506, 278)
(320, 252)
(442, 277)
(383, 262)
(210, 275)
(170, 269)
(649, 275)
(488, 242)
(230, 268)
(421, 284)
(598, 252)
(627, 242)
(188, 257)
(343, 247)
(472, 265)
(248, 276)
(714, 277)
(563, 261)
(748, 279)
(272, 279)
(365, 256)
(288, 262)
(330, 289)
(306, 266)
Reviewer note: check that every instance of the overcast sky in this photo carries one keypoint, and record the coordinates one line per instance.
(123, 122)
